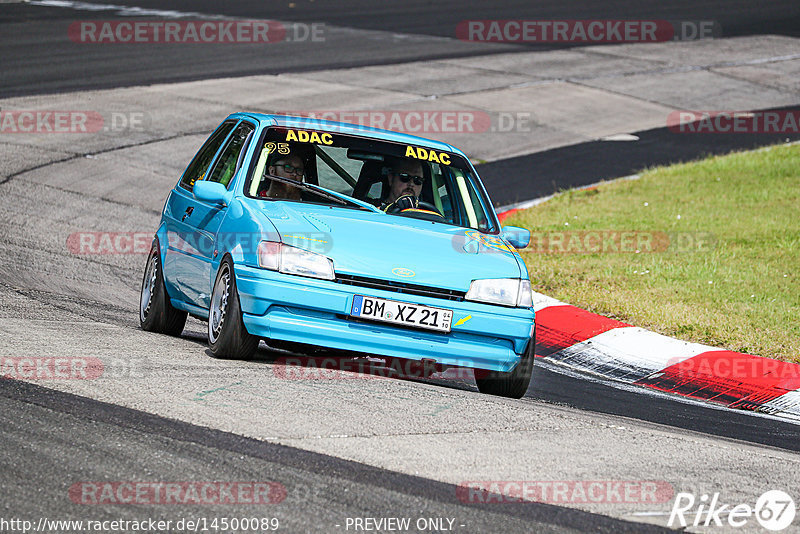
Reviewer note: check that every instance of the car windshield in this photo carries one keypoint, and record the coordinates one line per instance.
(404, 179)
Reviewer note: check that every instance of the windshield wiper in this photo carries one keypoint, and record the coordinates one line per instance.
(321, 191)
(339, 198)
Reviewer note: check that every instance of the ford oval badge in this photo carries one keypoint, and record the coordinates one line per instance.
(402, 271)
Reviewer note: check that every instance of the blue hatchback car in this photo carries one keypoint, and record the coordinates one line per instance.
(349, 238)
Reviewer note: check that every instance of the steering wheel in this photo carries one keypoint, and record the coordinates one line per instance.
(427, 206)
(411, 206)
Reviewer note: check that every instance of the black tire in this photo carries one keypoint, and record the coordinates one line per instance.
(227, 336)
(512, 384)
(156, 313)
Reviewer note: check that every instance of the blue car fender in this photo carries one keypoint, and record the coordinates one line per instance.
(241, 231)
(161, 237)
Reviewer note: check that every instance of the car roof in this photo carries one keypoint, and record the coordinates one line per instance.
(288, 121)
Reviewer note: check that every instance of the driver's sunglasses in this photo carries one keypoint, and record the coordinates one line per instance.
(405, 178)
(290, 169)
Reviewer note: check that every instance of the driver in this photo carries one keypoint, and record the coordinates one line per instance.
(289, 166)
(405, 179)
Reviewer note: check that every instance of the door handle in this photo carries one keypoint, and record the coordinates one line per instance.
(188, 212)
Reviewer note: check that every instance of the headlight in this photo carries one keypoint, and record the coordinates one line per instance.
(525, 299)
(293, 260)
(503, 291)
(269, 255)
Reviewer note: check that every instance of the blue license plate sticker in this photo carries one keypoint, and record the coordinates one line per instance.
(358, 304)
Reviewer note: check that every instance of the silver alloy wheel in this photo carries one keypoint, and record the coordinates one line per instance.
(219, 304)
(148, 287)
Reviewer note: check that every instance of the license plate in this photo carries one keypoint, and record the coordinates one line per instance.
(392, 311)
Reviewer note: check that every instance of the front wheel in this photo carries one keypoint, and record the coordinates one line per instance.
(227, 336)
(156, 313)
(512, 384)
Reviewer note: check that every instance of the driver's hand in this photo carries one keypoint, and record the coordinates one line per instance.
(403, 203)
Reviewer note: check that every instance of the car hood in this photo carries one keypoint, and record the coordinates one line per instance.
(390, 247)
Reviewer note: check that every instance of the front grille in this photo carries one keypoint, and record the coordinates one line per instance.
(400, 287)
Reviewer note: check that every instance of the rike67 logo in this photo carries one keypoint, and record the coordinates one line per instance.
(774, 510)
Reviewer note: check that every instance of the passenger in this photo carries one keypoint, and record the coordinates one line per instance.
(288, 166)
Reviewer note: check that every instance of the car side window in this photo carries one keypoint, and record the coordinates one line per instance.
(441, 192)
(231, 158)
(483, 222)
(199, 166)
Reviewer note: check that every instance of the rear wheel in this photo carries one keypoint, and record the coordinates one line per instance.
(514, 383)
(156, 313)
(227, 336)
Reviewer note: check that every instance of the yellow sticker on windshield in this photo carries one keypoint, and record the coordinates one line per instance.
(281, 148)
(303, 136)
(428, 155)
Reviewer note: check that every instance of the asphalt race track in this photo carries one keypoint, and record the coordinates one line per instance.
(512, 180)
(346, 446)
(320, 489)
(36, 58)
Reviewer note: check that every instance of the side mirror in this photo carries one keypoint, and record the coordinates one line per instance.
(213, 192)
(518, 237)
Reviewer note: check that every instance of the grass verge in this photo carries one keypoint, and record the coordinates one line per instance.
(705, 251)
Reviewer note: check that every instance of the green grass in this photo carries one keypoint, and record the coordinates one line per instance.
(729, 275)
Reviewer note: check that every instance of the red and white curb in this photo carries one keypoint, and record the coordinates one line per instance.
(594, 344)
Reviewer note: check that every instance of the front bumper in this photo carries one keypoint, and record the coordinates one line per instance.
(306, 310)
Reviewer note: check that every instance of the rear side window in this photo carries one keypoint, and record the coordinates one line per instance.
(199, 166)
(231, 158)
